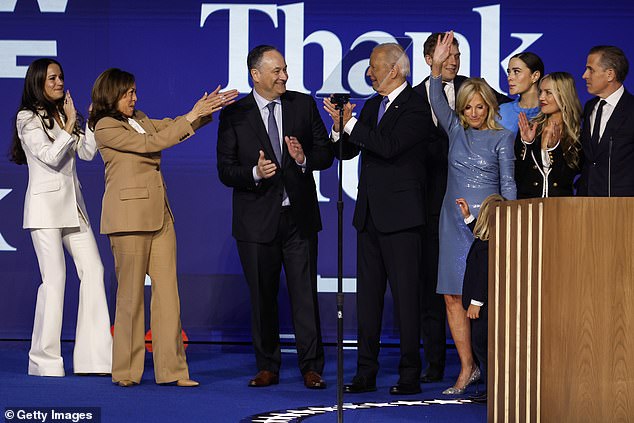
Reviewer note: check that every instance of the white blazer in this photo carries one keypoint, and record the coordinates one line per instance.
(53, 197)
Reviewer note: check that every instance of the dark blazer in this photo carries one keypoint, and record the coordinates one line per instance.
(436, 165)
(257, 207)
(392, 178)
(475, 285)
(611, 162)
(530, 177)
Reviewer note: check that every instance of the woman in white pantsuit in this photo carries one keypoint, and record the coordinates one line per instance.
(47, 137)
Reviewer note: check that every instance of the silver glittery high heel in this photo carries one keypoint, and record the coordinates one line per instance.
(475, 375)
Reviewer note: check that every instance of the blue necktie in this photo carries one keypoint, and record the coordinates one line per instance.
(274, 135)
(382, 108)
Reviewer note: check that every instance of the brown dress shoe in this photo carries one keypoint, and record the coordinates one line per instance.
(186, 383)
(264, 378)
(313, 380)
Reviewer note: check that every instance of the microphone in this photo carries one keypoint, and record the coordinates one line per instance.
(610, 168)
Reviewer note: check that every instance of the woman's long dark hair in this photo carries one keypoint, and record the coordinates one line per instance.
(34, 99)
(109, 88)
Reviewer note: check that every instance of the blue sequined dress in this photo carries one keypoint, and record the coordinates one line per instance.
(481, 163)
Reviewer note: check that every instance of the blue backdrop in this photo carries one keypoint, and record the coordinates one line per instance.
(179, 49)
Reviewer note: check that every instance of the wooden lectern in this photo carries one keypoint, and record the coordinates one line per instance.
(561, 311)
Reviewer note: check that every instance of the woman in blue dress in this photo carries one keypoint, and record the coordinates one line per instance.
(481, 163)
(524, 71)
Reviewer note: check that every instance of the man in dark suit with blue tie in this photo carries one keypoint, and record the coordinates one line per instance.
(607, 135)
(269, 143)
(389, 213)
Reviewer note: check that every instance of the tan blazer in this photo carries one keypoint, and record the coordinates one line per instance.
(135, 196)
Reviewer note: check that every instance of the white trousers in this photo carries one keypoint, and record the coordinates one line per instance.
(93, 342)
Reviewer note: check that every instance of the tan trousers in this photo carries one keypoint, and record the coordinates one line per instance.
(135, 254)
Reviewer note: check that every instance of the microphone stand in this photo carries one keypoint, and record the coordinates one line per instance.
(340, 100)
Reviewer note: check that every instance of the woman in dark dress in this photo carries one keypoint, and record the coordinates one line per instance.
(548, 156)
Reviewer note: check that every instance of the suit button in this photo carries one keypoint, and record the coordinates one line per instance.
(535, 184)
(534, 166)
(555, 184)
(594, 164)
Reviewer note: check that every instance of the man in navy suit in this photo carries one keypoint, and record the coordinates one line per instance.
(389, 213)
(607, 136)
(269, 143)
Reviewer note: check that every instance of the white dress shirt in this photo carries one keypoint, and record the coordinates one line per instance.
(610, 103)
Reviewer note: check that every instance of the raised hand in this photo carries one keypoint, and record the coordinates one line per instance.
(441, 52)
(527, 129)
(265, 168)
(551, 135)
(334, 113)
(295, 149)
(223, 98)
(70, 112)
(464, 207)
(210, 103)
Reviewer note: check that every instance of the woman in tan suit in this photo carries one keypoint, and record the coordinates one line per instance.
(138, 220)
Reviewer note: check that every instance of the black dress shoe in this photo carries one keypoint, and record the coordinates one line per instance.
(432, 374)
(405, 389)
(480, 398)
(359, 385)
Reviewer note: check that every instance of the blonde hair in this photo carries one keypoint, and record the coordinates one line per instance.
(567, 99)
(470, 88)
(481, 229)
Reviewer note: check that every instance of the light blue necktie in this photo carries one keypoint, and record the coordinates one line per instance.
(382, 108)
(274, 135)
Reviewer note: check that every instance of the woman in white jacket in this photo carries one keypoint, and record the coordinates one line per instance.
(47, 137)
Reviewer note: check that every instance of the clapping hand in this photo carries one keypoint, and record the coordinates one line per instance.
(70, 112)
(332, 110)
(210, 103)
(527, 129)
(222, 98)
(295, 149)
(551, 135)
(265, 168)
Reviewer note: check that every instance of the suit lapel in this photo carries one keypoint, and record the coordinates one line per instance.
(145, 123)
(288, 124)
(254, 118)
(618, 117)
(585, 134)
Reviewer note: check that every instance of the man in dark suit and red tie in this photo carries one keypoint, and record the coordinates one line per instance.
(389, 213)
(269, 143)
(607, 135)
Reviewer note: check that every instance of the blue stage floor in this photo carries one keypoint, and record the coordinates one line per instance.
(223, 396)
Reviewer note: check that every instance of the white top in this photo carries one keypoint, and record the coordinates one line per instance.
(610, 103)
